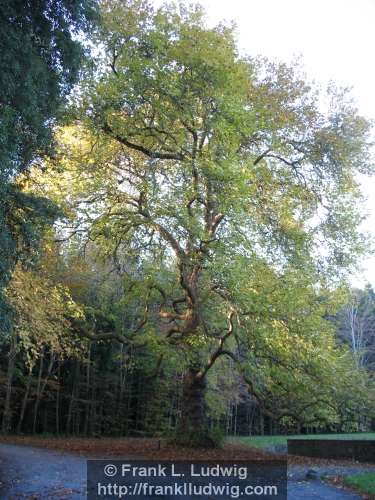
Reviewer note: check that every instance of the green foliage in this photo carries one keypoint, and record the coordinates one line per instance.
(40, 60)
(364, 483)
(193, 438)
(210, 210)
(23, 219)
(217, 437)
(232, 195)
(42, 316)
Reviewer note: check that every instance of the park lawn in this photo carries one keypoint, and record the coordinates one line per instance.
(266, 441)
(363, 483)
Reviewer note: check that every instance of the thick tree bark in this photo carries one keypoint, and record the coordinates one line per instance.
(193, 428)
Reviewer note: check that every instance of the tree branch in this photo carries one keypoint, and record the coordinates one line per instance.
(220, 350)
(138, 147)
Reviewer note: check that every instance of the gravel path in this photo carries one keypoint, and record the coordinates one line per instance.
(298, 472)
(301, 488)
(314, 490)
(35, 473)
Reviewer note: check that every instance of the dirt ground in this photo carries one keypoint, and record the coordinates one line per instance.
(152, 448)
(147, 448)
(28, 469)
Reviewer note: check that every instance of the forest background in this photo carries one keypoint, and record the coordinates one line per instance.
(178, 224)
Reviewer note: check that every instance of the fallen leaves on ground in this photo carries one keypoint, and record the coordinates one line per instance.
(147, 448)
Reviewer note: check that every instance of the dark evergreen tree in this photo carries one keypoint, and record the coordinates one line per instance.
(40, 58)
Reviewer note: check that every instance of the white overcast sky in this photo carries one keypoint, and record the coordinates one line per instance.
(336, 39)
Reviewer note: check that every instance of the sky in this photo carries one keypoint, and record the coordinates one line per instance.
(336, 42)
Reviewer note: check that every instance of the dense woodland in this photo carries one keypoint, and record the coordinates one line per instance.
(178, 228)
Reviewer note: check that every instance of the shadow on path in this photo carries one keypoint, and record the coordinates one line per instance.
(314, 490)
(27, 472)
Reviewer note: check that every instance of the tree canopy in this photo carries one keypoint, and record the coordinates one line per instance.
(226, 183)
(207, 212)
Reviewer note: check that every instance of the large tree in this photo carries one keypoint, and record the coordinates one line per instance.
(40, 58)
(228, 185)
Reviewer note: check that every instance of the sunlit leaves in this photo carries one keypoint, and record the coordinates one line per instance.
(43, 311)
(218, 182)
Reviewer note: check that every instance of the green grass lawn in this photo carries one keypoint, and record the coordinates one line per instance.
(265, 441)
(364, 483)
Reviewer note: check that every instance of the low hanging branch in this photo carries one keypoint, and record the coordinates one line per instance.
(296, 414)
(122, 339)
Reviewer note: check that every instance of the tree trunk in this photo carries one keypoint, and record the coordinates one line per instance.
(120, 390)
(72, 397)
(41, 386)
(87, 390)
(193, 427)
(37, 397)
(7, 414)
(57, 409)
(24, 401)
(261, 423)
